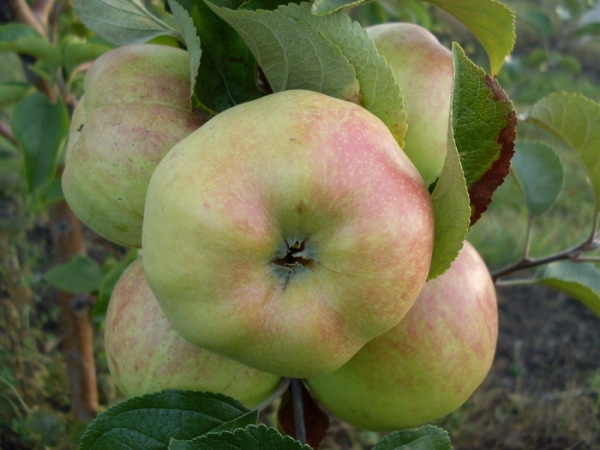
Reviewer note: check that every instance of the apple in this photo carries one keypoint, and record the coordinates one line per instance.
(135, 108)
(423, 69)
(146, 355)
(287, 232)
(427, 365)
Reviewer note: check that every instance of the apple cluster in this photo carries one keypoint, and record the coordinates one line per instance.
(289, 236)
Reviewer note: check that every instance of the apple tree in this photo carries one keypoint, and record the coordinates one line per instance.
(301, 189)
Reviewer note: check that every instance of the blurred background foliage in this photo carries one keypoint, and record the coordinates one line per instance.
(557, 48)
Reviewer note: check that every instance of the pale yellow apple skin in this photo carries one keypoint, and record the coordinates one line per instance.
(136, 107)
(295, 165)
(423, 69)
(426, 366)
(146, 355)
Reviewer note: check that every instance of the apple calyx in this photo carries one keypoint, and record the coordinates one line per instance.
(294, 258)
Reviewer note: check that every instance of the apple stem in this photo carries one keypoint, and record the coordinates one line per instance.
(298, 409)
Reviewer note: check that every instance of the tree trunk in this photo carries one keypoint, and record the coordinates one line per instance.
(78, 332)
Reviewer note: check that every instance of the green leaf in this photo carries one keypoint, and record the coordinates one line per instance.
(52, 193)
(451, 210)
(76, 53)
(491, 22)
(13, 92)
(324, 7)
(228, 71)
(484, 123)
(575, 120)
(540, 174)
(81, 274)
(15, 31)
(293, 55)
(250, 438)
(580, 281)
(428, 437)
(378, 89)
(124, 22)
(478, 115)
(151, 421)
(19, 38)
(190, 37)
(41, 129)
(540, 21)
(588, 23)
(109, 282)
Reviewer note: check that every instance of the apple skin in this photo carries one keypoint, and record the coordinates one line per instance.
(423, 69)
(146, 355)
(427, 365)
(135, 108)
(299, 170)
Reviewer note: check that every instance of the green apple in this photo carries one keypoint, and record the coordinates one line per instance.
(146, 355)
(423, 69)
(428, 364)
(287, 232)
(135, 108)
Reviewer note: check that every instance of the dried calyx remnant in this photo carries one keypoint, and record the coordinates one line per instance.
(295, 257)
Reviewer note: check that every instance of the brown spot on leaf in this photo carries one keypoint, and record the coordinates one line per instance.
(482, 190)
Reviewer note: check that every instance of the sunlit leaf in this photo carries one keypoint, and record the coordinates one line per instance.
(484, 123)
(491, 22)
(452, 212)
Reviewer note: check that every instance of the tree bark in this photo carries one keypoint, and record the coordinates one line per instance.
(78, 331)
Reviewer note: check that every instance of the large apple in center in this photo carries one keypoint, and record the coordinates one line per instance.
(427, 365)
(423, 68)
(287, 232)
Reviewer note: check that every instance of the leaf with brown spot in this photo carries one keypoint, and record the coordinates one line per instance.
(315, 420)
(484, 123)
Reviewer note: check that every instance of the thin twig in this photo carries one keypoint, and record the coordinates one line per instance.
(515, 282)
(6, 131)
(26, 15)
(525, 264)
(42, 9)
(573, 254)
(589, 259)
